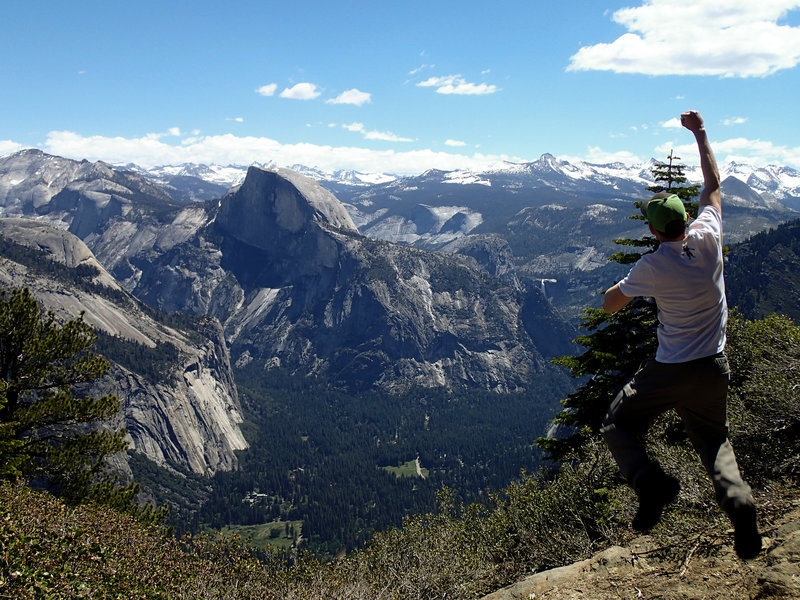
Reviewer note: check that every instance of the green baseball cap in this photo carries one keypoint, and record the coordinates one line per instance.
(662, 209)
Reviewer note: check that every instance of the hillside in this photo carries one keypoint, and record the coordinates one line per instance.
(762, 274)
(325, 456)
(280, 263)
(671, 567)
(64, 553)
(557, 218)
(361, 365)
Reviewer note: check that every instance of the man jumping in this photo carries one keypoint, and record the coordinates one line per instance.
(690, 372)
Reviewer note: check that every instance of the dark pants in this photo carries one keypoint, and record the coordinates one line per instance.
(697, 390)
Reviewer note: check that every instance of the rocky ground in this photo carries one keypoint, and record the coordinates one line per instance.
(702, 566)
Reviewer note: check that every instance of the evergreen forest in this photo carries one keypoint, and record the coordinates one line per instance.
(331, 459)
(762, 274)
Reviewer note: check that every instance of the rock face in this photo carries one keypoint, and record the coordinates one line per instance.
(491, 253)
(61, 246)
(280, 201)
(280, 263)
(192, 417)
(391, 316)
(321, 299)
(82, 195)
(280, 229)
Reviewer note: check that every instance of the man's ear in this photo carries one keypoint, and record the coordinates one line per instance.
(658, 235)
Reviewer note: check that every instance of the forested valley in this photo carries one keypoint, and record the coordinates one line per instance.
(348, 464)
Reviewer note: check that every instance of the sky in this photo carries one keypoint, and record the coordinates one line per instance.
(399, 87)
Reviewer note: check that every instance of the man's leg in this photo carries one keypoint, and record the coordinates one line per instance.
(704, 414)
(646, 396)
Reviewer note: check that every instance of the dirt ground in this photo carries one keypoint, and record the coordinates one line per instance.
(700, 567)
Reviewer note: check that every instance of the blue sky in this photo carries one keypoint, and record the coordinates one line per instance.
(398, 87)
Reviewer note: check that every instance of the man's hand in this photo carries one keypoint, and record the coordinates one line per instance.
(692, 120)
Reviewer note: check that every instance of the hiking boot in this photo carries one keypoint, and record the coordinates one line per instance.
(656, 490)
(746, 538)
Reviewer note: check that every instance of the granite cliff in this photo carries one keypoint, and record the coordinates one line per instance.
(315, 296)
(192, 417)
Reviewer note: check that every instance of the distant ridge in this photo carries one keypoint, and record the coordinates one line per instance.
(762, 274)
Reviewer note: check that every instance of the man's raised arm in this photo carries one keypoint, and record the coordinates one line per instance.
(692, 121)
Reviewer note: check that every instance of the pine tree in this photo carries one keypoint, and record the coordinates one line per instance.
(618, 342)
(673, 174)
(47, 432)
(10, 459)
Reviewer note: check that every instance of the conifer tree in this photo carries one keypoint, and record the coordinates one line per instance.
(673, 174)
(47, 432)
(10, 458)
(617, 343)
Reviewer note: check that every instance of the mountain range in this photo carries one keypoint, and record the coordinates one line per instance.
(556, 220)
(452, 280)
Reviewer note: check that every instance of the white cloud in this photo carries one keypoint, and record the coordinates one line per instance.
(375, 135)
(455, 84)
(420, 68)
(149, 151)
(734, 121)
(354, 127)
(354, 96)
(455, 143)
(386, 136)
(755, 152)
(171, 132)
(737, 38)
(672, 123)
(301, 91)
(267, 90)
(9, 147)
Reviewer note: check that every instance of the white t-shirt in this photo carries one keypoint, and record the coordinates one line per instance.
(686, 280)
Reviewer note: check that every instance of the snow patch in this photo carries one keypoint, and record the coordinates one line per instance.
(600, 213)
(466, 178)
